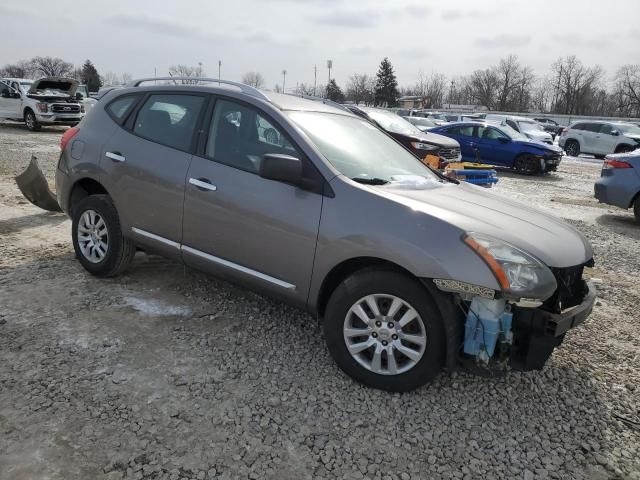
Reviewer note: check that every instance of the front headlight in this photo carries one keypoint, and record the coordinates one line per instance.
(426, 147)
(519, 273)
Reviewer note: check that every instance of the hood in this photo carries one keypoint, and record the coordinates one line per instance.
(540, 145)
(434, 139)
(537, 134)
(54, 86)
(473, 209)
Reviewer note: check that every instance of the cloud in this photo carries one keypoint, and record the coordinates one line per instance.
(419, 11)
(349, 19)
(164, 26)
(582, 40)
(453, 15)
(504, 40)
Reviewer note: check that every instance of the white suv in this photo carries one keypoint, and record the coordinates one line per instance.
(47, 101)
(599, 138)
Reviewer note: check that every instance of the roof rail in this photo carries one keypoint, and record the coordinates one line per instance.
(249, 90)
(326, 101)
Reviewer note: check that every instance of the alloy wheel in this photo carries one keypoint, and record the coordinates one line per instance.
(93, 236)
(384, 334)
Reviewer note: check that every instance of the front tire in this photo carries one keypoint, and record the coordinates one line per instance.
(97, 237)
(572, 148)
(384, 330)
(527, 165)
(31, 121)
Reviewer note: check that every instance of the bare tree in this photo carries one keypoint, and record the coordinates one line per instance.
(189, 74)
(21, 69)
(357, 88)
(485, 85)
(51, 67)
(255, 79)
(576, 86)
(431, 89)
(627, 90)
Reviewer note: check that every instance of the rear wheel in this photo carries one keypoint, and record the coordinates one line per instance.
(31, 121)
(384, 330)
(572, 148)
(97, 237)
(636, 208)
(527, 164)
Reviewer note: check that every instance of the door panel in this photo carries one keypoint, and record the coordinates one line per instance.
(146, 176)
(259, 232)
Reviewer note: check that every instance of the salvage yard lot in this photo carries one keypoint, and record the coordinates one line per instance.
(167, 373)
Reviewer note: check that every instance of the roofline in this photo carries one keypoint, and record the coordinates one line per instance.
(249, 90)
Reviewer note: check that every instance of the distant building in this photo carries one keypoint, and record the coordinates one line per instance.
(410, 101)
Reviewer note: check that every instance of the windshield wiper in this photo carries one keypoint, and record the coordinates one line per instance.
(370, 181)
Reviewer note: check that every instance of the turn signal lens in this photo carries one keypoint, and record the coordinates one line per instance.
(491, 262)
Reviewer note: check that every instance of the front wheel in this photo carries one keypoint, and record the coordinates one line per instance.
(97, 237)
(384, 330)
(31, 121)
(527, 165)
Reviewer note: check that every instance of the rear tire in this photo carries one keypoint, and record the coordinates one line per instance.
(401, 365)
(572, 147)
(527, 164)
(31, 121)
(636, 208)
(97, 237)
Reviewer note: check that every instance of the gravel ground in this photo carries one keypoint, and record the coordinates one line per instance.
(167, 373)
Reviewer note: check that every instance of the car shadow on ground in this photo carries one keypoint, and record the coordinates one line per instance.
(22, 127)
(623, 224)
(17, 224)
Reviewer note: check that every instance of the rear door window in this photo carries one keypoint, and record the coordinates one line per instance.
(169, 119)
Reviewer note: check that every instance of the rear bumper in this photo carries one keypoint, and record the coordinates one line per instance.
(617, 188)
(537, 332)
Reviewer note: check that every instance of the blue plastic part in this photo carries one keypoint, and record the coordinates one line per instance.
(482, 334)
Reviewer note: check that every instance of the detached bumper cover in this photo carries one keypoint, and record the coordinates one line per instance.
(537, 332)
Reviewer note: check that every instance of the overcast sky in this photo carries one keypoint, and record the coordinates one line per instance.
(449, 36)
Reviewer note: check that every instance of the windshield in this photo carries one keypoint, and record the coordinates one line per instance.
(358, 149)
(628, 129)
(530, 126)
(513, 134)
(391, 122)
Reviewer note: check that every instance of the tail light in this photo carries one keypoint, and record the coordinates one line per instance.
(68, 135)
(610, 163)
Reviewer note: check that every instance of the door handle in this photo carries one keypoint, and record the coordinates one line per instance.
(115, 156)
(203, 184)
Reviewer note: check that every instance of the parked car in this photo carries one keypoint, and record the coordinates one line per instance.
(408, 270)
(528, 127)
(619, 182)
(83, 95)
(502, 146)
(551, 126)
(417, 141)
(599, 138)
(422, 123)
(47, 101)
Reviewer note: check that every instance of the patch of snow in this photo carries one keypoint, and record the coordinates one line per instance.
(155, 307)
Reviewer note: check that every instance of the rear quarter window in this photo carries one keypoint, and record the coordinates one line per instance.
(119, 107)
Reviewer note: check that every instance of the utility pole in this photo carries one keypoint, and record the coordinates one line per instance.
(329, 66)
(284, 76)
(453, 83)
(219, 67)
(315, 79)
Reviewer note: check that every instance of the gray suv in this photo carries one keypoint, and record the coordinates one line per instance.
(409, 271)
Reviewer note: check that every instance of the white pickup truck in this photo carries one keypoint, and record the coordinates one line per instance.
(47, 101)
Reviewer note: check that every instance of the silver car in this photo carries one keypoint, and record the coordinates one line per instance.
(409, 271)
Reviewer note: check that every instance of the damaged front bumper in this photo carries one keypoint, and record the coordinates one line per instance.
(536, 332)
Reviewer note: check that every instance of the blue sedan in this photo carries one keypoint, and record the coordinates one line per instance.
(502, 146)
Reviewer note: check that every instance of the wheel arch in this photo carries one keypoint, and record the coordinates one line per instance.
(633, 199)
(624, 147)
(82, 188)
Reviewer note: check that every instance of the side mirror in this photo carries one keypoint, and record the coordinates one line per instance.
(615, 133)
(79, 96)
(504, 139)
(282, 168)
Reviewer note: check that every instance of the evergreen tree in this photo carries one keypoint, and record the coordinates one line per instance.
(386, 91)
(90, 77)
(334, 92)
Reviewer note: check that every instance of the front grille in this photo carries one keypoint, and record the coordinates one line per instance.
(571, 289)
(65, 108)
(449, 153)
